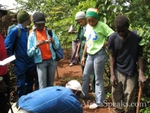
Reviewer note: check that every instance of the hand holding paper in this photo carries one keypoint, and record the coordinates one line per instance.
(7, 60)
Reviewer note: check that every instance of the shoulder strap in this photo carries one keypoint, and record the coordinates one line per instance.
(17, 37)
(19, 31)
(79, 31)
(50, 32)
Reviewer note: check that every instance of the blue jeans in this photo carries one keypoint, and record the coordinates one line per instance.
(46, 73)
(95, 63)
(74, 49)
(25, 79)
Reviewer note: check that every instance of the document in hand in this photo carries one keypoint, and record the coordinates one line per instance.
(7, 60)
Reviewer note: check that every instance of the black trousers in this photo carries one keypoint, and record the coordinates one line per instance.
(4, 96)
(4, 106)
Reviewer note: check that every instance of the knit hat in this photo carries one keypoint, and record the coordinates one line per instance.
(80, 15)
(92, 12)
(22, 16)
(4, 12)
(38, 18)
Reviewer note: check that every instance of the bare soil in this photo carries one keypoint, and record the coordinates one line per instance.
(65, 73)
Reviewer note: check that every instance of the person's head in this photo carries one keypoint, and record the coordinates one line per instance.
(92, 16)
(75, 86)
(81, 18)
(2, 13)
(122, 24)
(39, 20)
(23, 17)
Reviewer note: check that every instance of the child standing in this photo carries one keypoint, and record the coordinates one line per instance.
(96, 35)
(41, 46)
(80, 17)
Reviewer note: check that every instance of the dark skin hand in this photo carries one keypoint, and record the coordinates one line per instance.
(113, 80)
(50, 40)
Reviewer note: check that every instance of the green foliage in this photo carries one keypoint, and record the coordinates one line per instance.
(144, 105)
(60, 15)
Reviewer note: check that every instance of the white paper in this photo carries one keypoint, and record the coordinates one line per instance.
(7, 60)
(71, 29)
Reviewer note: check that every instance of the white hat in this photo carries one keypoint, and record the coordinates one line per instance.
(74, 85)
(80, 15)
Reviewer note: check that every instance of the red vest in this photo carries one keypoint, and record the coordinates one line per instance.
(3, 55)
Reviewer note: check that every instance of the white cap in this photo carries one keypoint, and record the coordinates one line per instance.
(80, 15)
(74, 85)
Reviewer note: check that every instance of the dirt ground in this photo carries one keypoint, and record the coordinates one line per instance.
(65, 73)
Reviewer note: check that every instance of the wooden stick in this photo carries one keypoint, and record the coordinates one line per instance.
(57, 73)
(139, 97)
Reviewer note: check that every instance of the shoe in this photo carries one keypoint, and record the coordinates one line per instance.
(71, 64)
(93, 106)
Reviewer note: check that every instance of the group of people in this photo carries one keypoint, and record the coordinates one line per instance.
(124, 54)
(34, 52)
(35, 56)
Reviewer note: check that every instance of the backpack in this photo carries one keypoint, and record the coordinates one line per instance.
(60, 51)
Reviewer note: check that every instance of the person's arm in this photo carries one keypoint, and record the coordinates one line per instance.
(84, 54)
(142, 78)
(106, 43)
(10, 41)
(31, 45)
(112, 70)
(77, 51)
